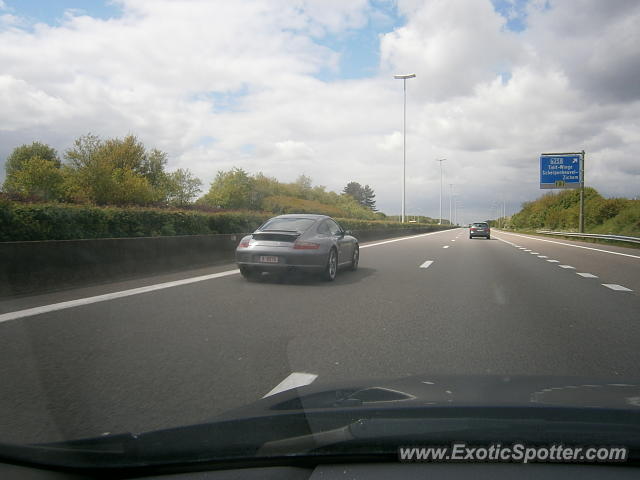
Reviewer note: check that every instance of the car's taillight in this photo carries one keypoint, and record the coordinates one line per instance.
(305, 246)
(473, 229)
(244, 244)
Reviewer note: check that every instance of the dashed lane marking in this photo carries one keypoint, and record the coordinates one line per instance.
(614, 286)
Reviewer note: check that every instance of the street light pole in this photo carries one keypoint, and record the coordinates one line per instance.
(450, 199)
(404, 130)
(440, 160)
(455, 209)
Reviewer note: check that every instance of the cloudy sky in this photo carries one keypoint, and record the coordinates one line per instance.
(306, 86)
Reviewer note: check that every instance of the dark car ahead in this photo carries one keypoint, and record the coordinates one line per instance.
(314, 243)
(480, 229)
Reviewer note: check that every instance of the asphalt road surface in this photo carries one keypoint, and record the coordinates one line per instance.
(440, 303)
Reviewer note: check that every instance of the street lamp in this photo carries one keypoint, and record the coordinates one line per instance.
(441, 160)
(450, 199)
(456, 202)
(404, 128)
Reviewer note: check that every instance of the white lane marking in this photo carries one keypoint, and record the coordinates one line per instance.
(426, 264)
(614, 286)
(587, 275)
(526, 250)
(542, 256)
(110, 296)
(295, 380)
(453, 240)
(535, 253)
(446, 246)
(507, 241)
(553, 261)
(401, 239)
(571, 245)
(567, 266)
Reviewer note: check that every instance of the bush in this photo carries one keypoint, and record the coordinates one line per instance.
(561, 211)
(280, 204)
(56, 221)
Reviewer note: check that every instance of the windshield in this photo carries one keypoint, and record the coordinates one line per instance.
(229, 227)
(288, 224)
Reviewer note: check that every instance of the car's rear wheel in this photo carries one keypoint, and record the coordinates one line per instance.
(488, 237)
(355, 258)
(331, 269)
(248, 273)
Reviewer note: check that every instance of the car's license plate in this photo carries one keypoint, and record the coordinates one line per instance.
(268, 259)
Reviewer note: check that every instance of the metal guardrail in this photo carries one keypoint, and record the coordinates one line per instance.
(620, 238)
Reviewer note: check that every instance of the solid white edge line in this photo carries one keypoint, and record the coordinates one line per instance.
(294, 380)
(506, 241)
(426, 264)
(403, 238)
(571, 245)
(615, 286)
(5, 317)
(29, 312)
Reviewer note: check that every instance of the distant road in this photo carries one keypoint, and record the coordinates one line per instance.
(436, 303)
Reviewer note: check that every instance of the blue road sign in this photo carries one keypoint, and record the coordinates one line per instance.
(560, 171)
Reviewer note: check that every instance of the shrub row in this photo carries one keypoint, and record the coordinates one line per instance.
(560, 211)
(34, 221)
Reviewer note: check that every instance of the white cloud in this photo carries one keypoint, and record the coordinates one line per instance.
(243, 76)
(451, 45)
(293, 149)
(392, 142)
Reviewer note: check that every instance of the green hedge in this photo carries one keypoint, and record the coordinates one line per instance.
(34, 221)
(560, 211)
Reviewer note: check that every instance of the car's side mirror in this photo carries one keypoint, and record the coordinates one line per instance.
(348, 232)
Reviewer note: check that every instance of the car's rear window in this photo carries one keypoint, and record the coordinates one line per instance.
(292, 224)
(480, 225)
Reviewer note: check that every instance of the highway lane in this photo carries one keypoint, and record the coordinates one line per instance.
(615, 264)
(187, 353)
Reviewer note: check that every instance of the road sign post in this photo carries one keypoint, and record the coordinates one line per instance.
(564, 170)
(581, 221)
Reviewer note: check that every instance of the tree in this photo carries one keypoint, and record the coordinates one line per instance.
(24, 153)
(34, 171)
(36, 177)
(355, 190)
(263, 187)
(152, 167)
(369, 198)
(84, 150)
(182, 187)
(365, 196)
(116, 172)
(303, 186)
(230, 189)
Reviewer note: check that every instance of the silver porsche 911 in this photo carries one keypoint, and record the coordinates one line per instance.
(315, 243)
